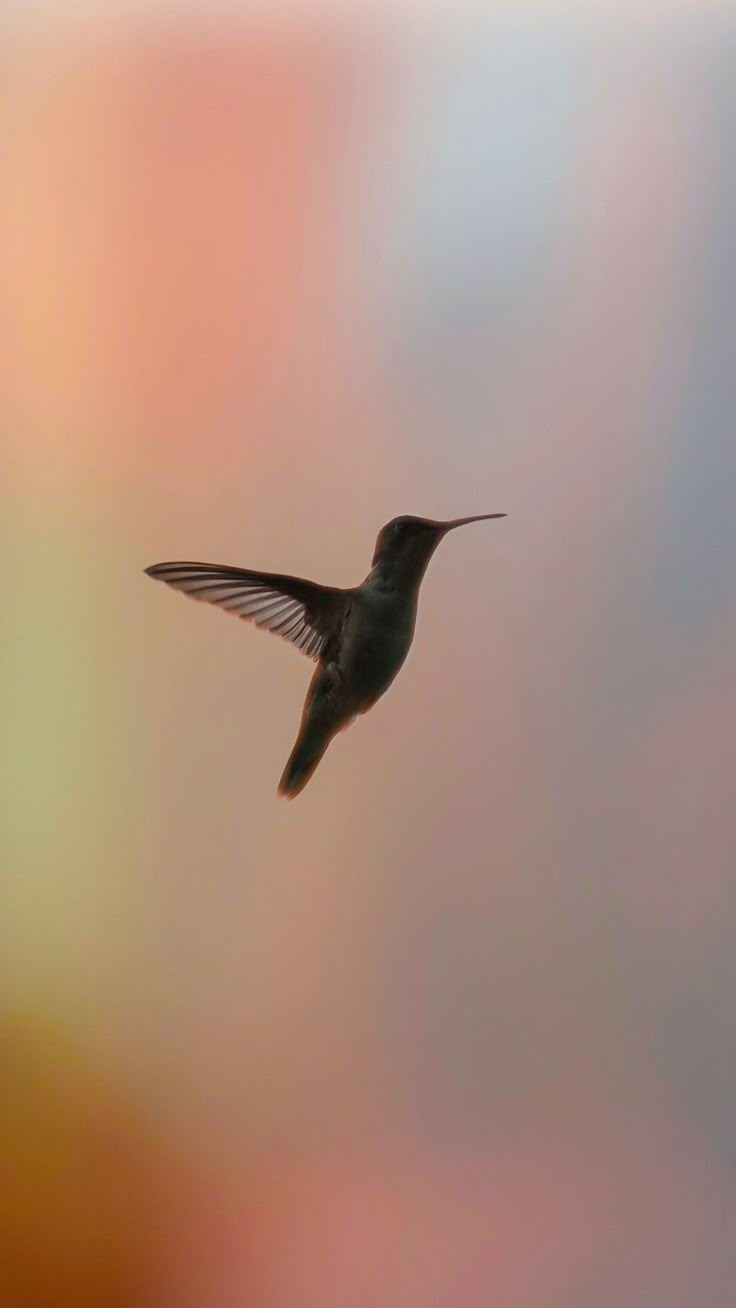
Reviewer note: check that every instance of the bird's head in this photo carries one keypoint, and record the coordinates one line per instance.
(406, 544)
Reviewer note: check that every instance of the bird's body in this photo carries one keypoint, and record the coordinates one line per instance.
(376, 639)
(360, 637)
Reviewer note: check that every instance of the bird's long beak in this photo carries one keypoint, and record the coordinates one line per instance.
(462, 522)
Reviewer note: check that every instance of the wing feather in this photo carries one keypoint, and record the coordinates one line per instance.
(300, 611)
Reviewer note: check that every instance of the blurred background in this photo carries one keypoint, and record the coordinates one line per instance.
(456, 1028)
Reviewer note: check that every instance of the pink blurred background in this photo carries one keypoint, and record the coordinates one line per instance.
(456, 1028)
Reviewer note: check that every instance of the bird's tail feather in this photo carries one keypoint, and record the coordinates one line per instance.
(310, 746)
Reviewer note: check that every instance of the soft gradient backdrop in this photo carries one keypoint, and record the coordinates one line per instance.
(457, 1027)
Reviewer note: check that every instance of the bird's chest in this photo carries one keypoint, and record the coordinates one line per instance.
(376, 642)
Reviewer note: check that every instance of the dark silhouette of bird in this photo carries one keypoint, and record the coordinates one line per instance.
(359, 637)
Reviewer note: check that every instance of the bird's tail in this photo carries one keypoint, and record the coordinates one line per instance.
(311, 744)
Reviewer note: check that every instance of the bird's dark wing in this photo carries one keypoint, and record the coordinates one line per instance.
(300, 611)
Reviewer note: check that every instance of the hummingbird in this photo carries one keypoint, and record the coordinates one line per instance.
(359, 637)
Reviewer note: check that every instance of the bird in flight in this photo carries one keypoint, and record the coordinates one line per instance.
(359, 637)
